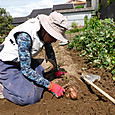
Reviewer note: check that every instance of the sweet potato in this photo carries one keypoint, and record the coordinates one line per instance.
(73, 93)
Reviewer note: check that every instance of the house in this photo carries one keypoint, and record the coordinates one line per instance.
(33, 14)
(47, 11)
(67, 9)
(78, 2)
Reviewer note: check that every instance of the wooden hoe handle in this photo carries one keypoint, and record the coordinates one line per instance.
(100, 90)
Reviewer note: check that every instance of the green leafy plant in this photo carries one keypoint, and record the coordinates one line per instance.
(79, 6)
(74, 27)
(97, 42)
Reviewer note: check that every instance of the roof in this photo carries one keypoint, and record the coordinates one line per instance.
(47, 11)
(63, 6)
(19, 20)
(34, 13)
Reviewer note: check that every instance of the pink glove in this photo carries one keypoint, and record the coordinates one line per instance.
(59, 73)
(57, 90)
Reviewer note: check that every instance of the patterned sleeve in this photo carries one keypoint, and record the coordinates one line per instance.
(24, 44)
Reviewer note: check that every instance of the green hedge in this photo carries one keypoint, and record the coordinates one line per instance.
(97, 42)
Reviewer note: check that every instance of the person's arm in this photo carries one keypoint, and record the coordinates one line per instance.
(50, 53)
(24, 47)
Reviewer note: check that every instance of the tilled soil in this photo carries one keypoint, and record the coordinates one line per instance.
(89, 101)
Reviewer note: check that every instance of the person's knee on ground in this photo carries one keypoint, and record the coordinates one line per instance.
(33, 97)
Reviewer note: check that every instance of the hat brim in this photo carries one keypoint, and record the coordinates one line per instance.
(44, 19)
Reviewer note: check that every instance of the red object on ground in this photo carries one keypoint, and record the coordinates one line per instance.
(59, 73)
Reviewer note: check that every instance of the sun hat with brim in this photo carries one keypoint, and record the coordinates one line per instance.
(55, 24)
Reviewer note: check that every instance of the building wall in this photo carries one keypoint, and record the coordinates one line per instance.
(77, 17)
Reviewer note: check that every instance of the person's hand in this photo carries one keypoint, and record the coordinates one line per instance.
(59, 73)
(56, 89)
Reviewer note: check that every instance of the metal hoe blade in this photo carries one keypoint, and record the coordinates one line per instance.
(92, 77)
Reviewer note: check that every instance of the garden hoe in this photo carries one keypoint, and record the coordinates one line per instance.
(90, 78)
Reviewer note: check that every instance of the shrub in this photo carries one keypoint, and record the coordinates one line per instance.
(74, 27)
(97, 42)
(79, 6)
(5, 23)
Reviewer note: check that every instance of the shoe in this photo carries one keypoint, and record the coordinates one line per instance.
(63, 43)
(1, 91)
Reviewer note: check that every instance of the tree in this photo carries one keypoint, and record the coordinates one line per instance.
(5, 23)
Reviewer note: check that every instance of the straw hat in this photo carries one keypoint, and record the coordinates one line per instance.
(55, 24)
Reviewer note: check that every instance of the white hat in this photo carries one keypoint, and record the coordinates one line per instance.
(55, 24)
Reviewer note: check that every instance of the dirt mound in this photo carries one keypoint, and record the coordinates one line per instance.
(89, 102)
